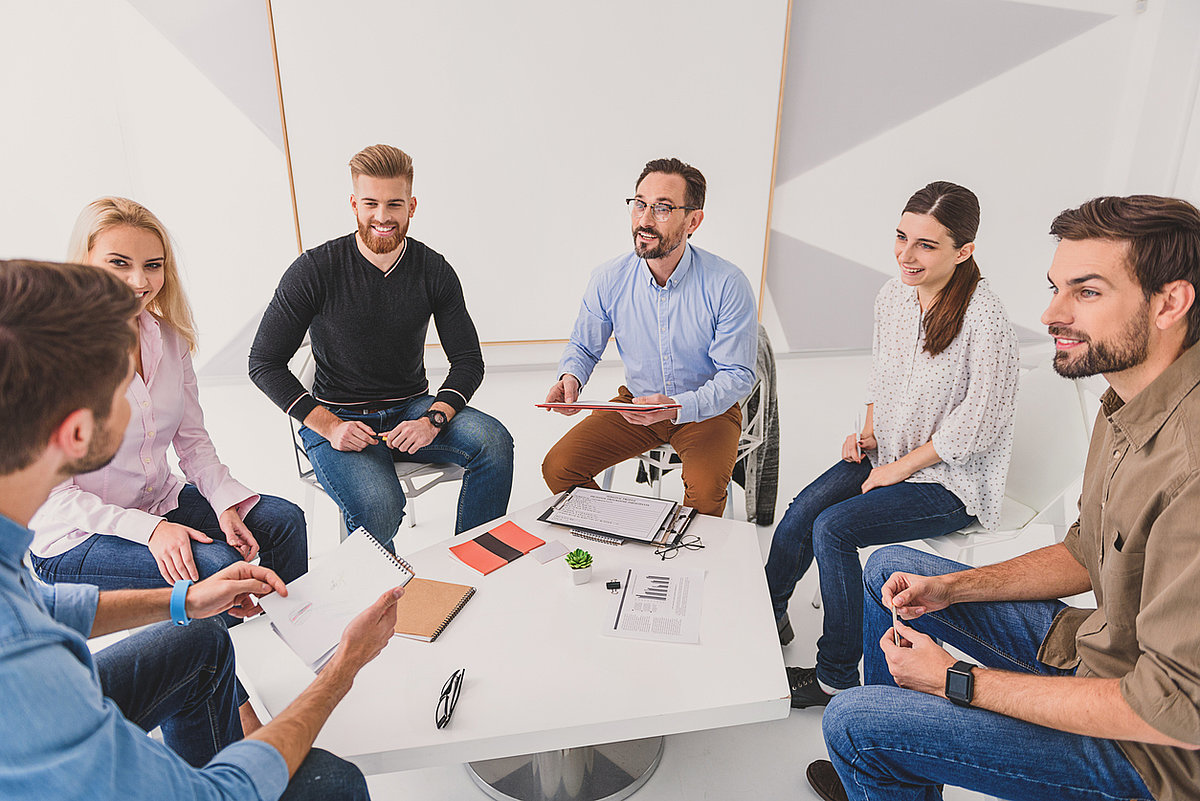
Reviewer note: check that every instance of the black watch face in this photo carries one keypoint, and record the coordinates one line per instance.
(436, 417)
(958, 684)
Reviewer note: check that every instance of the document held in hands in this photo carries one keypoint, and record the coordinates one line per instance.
(611, 406)
(336, 588)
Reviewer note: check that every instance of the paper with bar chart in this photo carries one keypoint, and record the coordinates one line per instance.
(658, 604)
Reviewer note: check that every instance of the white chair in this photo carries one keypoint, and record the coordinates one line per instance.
(430, 474)
(661, 459)
(1051, 430)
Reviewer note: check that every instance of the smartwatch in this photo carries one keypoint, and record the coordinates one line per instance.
(179, 602)
(437, 417)
(960, 683)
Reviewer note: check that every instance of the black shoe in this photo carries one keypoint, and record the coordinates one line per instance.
(824, 779)
(805, 690)
(786, 635)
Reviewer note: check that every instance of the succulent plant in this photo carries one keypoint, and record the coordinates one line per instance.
(578, 559)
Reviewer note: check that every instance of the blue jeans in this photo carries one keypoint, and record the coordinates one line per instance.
(113, 563)
(897, 744)
(830, 520)
(364, 485)
(182, 679)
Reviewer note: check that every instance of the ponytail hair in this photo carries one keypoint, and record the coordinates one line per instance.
(957, 209)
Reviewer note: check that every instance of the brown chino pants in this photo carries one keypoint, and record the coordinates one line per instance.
(602, 439)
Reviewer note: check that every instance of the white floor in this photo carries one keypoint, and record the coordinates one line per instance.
(818, 400)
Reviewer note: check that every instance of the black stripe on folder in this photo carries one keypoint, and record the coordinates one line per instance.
(501, 549)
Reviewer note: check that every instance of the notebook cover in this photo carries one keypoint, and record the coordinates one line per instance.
(514, 536)
(476, 557)
(427, 606)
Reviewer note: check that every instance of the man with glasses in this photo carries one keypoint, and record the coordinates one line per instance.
(365, 300)
(685, 322)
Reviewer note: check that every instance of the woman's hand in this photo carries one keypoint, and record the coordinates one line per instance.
(855, 444)
(237, 536)
(171, 545)
(884, 476)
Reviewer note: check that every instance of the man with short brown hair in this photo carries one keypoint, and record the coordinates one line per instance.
(1075, 703)
(365, 301)
(74, 724)
(686, 328)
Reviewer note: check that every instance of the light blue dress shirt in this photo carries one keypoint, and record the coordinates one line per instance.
(694, 339)
(60, 738)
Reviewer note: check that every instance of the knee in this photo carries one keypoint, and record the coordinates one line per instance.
(323, 775)
(382, 516)
(557, 469)
(827, 533)
(213, 557)
(207, 637)
(886, 561)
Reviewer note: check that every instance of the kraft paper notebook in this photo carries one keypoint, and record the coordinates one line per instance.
(428, 606)
(496, 548)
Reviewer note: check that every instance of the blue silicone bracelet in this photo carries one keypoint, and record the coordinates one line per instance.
(179, 602)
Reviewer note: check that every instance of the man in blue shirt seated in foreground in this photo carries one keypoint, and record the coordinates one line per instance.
(686, 327)
(73, 724)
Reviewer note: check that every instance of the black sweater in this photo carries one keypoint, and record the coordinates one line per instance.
(367, 328)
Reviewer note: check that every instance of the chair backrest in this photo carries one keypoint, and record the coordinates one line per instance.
(1049, 438)
(304, 367)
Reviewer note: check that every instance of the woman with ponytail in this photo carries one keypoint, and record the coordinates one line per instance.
(933, 455)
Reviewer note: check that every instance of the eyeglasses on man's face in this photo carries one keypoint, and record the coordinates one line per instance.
(662, 211)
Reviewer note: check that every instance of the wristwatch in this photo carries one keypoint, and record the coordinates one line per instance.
(960, 683)
(437, 417)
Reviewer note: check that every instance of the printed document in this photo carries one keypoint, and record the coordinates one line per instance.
(658, 604)
(627, 516)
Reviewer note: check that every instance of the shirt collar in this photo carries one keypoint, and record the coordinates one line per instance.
(151, 344)
(681, 269)
(14, 542)
(1142, 417)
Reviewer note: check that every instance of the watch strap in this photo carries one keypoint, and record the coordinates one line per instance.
(179, 602)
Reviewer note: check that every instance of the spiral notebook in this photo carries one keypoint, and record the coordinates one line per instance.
(428, 606)
(336, 588)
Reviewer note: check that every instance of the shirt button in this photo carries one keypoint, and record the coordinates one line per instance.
(1116, 454)
(146, 460)
(149, 489)
(149, 435)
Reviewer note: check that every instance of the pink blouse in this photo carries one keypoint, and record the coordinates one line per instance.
(129, 496)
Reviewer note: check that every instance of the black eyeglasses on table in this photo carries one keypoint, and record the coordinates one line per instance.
(689, 542)
(449, 698)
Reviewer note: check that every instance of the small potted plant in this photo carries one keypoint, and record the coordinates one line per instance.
(580, 562)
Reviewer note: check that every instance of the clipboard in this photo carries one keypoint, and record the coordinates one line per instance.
(669, 519)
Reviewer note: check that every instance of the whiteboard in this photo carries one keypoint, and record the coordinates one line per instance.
(528, 123)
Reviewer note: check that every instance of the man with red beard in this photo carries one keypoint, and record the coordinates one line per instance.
(686, 327)
(1075, 703)
(365, 300)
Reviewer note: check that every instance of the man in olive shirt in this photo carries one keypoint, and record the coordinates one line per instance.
(1075, 703)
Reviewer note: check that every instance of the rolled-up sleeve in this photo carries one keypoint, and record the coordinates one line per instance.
(85, 748)
(1164, 686)
(73, 605)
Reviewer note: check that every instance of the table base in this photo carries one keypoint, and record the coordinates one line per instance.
(607, 772)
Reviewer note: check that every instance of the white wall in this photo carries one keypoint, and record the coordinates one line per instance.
(1066, 100)
(528, 123)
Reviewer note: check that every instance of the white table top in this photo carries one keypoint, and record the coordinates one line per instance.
(540, 673)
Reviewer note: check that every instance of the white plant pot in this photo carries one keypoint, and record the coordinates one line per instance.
(582, 575)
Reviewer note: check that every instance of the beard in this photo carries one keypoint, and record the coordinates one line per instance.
(101, 450)
(657, 251)
(1125, 351)
(380, 244)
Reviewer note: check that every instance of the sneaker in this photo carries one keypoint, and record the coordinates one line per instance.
(824, 780)
(805, 690)
(786, 635)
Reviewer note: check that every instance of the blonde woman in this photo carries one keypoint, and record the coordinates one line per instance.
(135, 523)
